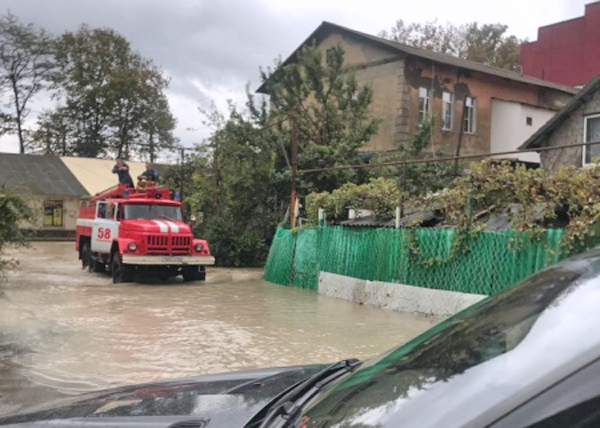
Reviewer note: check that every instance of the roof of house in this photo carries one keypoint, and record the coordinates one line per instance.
(323, 30)
(42, 175)
(96, 175)
(559, 118)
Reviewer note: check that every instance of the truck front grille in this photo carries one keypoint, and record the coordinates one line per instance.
(164, 244)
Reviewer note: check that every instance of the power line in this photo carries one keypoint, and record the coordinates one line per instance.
(442, 159)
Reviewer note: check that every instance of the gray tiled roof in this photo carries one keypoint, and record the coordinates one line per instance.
(326, 27)
(41, 175)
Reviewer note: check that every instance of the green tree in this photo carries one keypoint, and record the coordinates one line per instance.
(111, 94)
(417, 178)
(487, 43)
(330, 109)
(25, 64)
(241, 174)
(13, 210)
(55, 132)
(236, 185)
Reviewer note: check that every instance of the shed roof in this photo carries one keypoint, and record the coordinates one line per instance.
(41, 175)
(536, 140)
(96, 175)
(326, 27)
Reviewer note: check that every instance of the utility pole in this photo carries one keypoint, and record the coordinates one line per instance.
(294, 163)
(460, 135)
(48, 142)
(182, 173)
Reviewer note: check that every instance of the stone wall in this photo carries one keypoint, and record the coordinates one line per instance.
(571, 131)
(396, 78)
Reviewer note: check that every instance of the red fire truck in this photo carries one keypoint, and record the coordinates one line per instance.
(139, 231)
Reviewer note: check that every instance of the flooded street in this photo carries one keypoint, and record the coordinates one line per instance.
(66, 331)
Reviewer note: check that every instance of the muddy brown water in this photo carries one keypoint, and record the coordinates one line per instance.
(66, 331)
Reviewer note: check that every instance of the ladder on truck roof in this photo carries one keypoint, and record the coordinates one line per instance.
(122, 190)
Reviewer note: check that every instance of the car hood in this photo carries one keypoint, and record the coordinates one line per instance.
(221, 400)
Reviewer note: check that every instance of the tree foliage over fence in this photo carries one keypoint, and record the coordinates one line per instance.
(532, 200)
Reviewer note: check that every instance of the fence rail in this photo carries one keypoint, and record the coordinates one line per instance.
(297, 257)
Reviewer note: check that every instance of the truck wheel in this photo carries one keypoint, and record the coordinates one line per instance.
(120, 272)
(96, 266)
(86, 256)
(193, 273)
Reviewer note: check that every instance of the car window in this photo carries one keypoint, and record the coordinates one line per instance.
(574, 402)
(152, 211)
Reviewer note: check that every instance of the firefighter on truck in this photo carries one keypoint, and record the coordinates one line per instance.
(139, 231)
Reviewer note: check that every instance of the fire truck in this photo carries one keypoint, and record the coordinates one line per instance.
(132, 231)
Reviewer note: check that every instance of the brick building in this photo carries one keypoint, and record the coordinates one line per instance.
(496, 109)
(567, 52)
(578, 122)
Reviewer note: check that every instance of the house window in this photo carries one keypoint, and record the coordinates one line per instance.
(53, 214)
(447, 111)
(591, 130)
(469, 126)
(424, 104)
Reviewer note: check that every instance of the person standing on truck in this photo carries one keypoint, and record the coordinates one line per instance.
(150, 174)
(122, 170)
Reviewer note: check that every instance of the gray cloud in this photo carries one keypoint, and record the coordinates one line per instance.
(212, 48)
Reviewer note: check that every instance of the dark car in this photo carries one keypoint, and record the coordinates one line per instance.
(527, 357)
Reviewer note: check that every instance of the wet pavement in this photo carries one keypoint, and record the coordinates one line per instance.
(66, 331)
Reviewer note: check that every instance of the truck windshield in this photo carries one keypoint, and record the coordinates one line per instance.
(152, 211)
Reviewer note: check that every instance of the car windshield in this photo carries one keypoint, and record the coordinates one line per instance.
(444, 354)
(152, 211)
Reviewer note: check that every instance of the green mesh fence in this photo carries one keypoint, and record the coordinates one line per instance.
(384, 255)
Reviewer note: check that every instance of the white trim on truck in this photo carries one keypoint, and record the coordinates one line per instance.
(134, 259)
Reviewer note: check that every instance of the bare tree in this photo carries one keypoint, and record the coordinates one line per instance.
(487, 43)
(25, 63)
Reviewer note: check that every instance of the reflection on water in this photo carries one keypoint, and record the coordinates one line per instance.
(64, 331)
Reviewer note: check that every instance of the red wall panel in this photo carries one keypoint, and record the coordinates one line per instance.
(567, 52)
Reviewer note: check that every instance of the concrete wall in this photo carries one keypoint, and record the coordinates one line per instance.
(570, 132)
(396, 297)
(510, 127)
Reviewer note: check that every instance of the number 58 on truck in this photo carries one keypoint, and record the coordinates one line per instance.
(139, 232)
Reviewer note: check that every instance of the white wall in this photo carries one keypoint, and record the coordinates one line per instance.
(510, 128)
(70, 212)
(396, 297)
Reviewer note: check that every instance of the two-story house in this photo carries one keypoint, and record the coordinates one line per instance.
(486, 109)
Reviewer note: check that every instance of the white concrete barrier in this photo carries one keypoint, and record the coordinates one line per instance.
(396, 297)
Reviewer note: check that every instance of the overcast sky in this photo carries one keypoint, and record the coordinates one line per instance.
(212, 48)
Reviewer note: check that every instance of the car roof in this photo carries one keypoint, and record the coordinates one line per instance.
(559, 340)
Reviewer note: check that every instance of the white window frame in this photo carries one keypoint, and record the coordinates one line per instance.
(424, 113)
(450, 105)
(472, 121)
(585, 129)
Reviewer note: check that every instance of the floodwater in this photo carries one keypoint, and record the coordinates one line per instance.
(66, 331)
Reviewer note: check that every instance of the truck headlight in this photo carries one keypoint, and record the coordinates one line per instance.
(132, 246)
(199, 248)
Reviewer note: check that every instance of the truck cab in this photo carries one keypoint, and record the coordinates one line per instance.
(139, 232)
